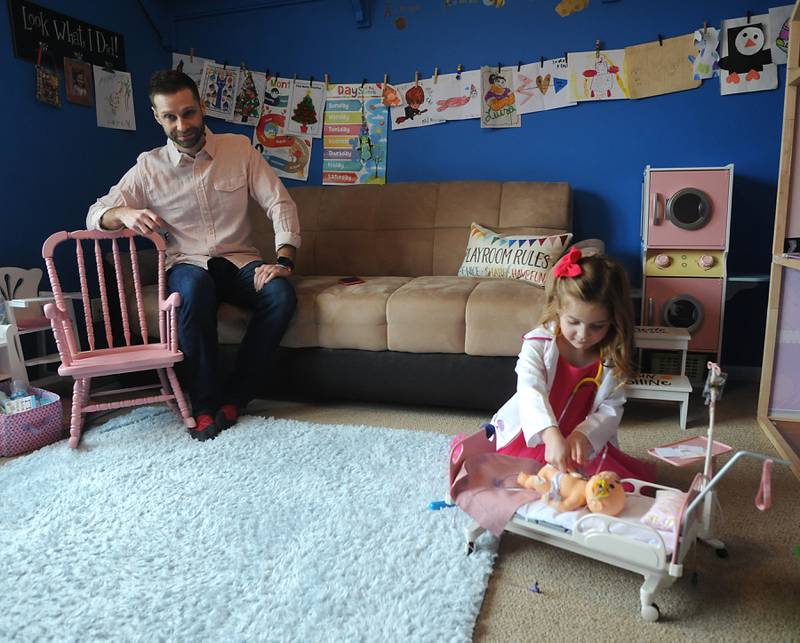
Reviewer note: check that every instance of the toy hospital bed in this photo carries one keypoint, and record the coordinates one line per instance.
(622, 540)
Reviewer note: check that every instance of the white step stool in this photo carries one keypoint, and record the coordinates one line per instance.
(656, 386)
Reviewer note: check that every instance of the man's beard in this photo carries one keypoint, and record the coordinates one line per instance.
(190, 138)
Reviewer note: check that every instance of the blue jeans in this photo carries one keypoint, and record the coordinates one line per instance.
(201, 293)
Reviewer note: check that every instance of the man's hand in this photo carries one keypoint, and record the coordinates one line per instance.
(579, 447)
(267, 272)
(556, 451)
(141, 221)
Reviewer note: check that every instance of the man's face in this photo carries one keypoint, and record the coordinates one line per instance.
(181, 116)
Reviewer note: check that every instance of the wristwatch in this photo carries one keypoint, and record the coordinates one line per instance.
(285, 262)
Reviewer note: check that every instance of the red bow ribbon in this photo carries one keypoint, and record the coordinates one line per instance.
(568, 265)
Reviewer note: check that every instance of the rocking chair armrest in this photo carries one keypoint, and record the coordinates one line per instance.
(171, 302)
(54, 313)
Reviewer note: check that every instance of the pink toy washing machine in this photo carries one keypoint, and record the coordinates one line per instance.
(685, 231)
(687, 208)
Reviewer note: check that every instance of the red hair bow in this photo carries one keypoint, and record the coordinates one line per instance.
(568, 265)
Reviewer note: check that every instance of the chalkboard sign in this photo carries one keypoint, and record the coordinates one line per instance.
(33, 26)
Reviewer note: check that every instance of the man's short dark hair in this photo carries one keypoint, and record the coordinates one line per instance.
(171, 81)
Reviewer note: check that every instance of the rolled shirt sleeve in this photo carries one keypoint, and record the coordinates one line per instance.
(535, 412)
(270, 193)
(129, 192)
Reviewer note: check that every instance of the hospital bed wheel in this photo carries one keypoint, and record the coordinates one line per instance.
(721, 552)
(650, 613)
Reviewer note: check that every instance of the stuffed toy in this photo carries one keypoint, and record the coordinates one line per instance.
(602, 493)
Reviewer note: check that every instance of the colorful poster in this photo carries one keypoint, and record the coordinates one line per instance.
(543, 85)
(661, 67)
(248, 97)
(416, 109)
(705, 63)
(499, 107)
(113, 93)
(192, 66)
(455, 96)
(745, 58)
(598, 75)
(305, 108)
(779, 21)
(390, 96)
(354, 135)
(287, 154)
(218, 90)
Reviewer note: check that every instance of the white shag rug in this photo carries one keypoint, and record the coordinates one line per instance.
(277, 530)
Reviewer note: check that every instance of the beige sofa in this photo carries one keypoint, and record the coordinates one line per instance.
(414, 332)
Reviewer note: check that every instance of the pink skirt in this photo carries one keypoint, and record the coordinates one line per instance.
(624, 465)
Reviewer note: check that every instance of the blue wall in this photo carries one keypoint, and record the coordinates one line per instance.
(58, 161)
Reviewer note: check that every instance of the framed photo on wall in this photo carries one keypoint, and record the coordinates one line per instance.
(78, 82)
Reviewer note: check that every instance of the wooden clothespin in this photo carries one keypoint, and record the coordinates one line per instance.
(294, 77)
(191, 55)
(266, 74)
(459, 68)
(363, 82)
(499, 67)
(225, 64)
(327, 79)
(660, 40)
(749, 15)
(596, 48)
(541, 62)
(109, 67)
(705, 27)
(519, 65)
(435, 75)
(416, 78)
(77, 55)
(386, 79)
(566, 58)
(310, 80)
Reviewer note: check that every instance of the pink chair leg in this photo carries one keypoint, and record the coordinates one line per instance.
(166, 389)
(76, 419)
(188, 420)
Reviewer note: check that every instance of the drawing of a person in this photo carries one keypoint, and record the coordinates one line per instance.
(79, 83)
(498, 96)
(601, 77)
(415, 96)
(272, 97)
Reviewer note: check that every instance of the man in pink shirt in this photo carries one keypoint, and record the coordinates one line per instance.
(194, 190)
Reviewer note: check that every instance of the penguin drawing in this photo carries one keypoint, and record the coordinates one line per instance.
(746, 53)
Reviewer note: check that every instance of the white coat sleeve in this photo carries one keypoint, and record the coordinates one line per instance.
(535, 412)
(601, 426)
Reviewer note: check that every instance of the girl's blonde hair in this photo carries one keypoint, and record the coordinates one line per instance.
(602, 281)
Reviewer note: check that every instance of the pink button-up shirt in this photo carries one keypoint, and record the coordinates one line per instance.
(203, 200)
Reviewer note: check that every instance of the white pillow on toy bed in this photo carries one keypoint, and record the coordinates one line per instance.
(635, 508)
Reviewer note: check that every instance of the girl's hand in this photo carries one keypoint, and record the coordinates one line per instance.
(556, 450)
(579, 447)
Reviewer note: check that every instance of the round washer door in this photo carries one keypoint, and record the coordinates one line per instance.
(682, 311)
(689, 209)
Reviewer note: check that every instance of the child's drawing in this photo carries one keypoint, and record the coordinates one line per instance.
(598, 75)
(455, 96)
(417, 108)
(114, 99)
(218, 90)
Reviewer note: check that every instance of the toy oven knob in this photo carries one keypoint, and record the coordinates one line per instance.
(706, 262)
(663, 261)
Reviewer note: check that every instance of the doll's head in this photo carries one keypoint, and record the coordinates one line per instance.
(605, 494)
(588, 298)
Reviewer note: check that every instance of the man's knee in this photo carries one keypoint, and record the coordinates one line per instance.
(195, 286)
(279, 296)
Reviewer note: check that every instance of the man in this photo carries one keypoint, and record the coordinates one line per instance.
(194, 190)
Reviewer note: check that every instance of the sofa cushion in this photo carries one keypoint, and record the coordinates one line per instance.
(355, 316)
(491, 253)
(303, 330)
(499, 312)
(426, 315)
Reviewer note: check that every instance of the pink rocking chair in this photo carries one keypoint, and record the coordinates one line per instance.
(129, 358)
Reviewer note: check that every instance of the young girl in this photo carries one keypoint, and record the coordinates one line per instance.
(571, 373)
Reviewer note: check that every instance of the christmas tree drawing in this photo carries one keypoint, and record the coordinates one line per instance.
(304, 113)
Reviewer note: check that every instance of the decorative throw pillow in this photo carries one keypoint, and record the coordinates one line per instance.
(511, 256)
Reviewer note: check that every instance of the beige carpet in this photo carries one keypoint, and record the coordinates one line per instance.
(750, 596)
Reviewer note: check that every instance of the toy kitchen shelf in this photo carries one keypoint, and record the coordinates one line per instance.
(779, 396)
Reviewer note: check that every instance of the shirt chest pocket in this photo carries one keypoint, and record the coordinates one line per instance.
(230, 193)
